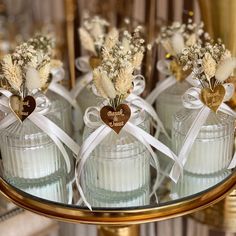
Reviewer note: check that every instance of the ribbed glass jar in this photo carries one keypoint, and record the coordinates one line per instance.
(52, 187)
(169, 102)
(28, 153)
(191, 183)
(117, 173)
(62, 110)
(212, 150)
(87, 98)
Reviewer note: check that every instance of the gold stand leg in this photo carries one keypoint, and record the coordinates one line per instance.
(132, 230)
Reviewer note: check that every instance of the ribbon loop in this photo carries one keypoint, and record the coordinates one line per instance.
(139, 84)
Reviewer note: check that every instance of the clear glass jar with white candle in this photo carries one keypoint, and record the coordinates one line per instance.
(169, 102)
(29, 153)
(87, 98)
(212, 150)
(52, 187)
(117, 173)
(62, 110)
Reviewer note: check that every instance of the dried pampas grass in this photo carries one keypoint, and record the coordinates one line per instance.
(111, 38)
(209, 66)
(225, 69)
(168, 47)
(56, 63)
(124, 81)
(44, 74)
(86, 40)
(103, 84)
(137, 60)
(177, 42)
(191, 40)
(12, 72)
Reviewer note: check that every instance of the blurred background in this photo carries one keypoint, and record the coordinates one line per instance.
(20, 19)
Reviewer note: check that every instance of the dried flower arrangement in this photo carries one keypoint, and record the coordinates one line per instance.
(93, 34)
(212, 64)
(175, 38)
(27, 68)
(120, 57)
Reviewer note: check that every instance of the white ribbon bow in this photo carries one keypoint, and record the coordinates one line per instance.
(41, 121)
(102, 130)
(82, 64)
(163, 67)
(191, 100)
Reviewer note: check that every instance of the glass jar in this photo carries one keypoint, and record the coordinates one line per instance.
(62, 110)
(169, 102)
(28, 153)
(87, 98)
(212, 150)
(191, 184)
(117, 173)
(52, 187)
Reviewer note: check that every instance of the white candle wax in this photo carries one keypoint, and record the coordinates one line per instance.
(212, 150)
(28, 153)
(118, 169)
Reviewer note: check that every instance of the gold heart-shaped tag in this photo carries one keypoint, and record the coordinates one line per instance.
(22, 108)
(213, 99)
(115, 118)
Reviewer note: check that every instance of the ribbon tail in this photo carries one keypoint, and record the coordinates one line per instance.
(160, 87)
(88, 146)
(141, 103)
(189, 139)
(49, 126)
(155, 143)
(8, 120)
(233, 162)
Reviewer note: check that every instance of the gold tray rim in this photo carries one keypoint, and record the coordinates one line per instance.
(119, 217)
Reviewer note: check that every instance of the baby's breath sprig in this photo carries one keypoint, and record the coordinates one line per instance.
(175, 39)
(93, 34)
(114, 77)
(28, 67)
(211, 63)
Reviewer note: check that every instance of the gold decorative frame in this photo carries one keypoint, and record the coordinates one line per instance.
(119, 217)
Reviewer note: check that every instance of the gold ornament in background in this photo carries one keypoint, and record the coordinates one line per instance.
(213, 98)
